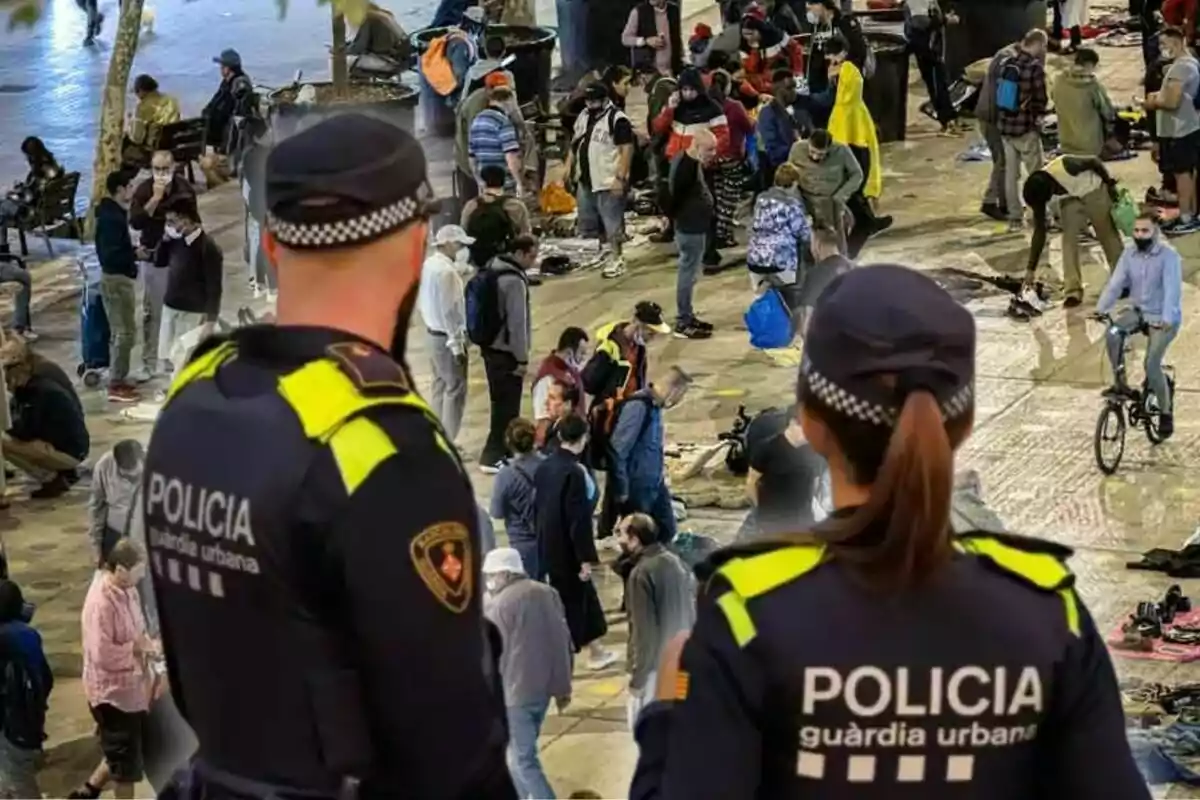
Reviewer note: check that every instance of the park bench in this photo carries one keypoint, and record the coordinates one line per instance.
(53, 210)
(185, 139)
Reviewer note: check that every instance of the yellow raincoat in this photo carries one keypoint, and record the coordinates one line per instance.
(850, 123)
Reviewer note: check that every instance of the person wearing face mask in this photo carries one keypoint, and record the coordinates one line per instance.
(1177, 125)
(1151, 272)
(829, 177)
(828, 21)
(195, 269)
(560, 367)
(979, 633)
(655, 38)
(302, 450)
(1086, 193)
(636, 465)
(442, 305)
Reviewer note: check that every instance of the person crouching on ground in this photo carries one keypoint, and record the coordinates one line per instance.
(49, 438)
(780, 232)
(830, 178)
(691, 210)
(535, 662)
(598, 165)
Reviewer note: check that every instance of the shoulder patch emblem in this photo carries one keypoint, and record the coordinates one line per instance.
(442, 555)
(370, 369)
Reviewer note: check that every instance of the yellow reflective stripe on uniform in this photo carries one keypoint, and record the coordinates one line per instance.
(203, 366)
(740, 624)
(1041, 569)
(1072, 604)
(756, 575)
(358, 448)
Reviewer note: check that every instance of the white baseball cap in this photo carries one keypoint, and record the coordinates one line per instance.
(452, 234)
(503, 559)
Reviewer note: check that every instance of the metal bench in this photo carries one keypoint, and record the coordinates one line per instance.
(54, 209)
(185, 139)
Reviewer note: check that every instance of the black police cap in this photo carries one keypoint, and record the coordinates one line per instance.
(894, 321)
(347, 180)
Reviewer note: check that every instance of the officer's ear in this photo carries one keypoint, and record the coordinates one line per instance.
(271, 247)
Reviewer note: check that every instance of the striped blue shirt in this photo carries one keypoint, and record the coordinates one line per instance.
(493, 136)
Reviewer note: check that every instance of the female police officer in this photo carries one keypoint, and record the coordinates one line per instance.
(878, 656)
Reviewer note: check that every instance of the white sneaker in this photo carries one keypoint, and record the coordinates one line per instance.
(605, 659)
(140, 375)
(1029, 297)
(613, 269)
(492, 469)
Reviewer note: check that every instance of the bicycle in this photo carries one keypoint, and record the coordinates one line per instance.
(1139, 406)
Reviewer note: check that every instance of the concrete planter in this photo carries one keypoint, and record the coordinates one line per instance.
(394, 103)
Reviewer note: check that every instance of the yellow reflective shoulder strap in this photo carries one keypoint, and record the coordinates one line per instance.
(1044, 571)
(327, 403)
(201, 367)
(754, 576)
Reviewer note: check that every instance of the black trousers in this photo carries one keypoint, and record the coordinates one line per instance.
(860, 207)
(504, 391)
(924, 42)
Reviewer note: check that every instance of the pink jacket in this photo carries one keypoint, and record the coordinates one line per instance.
(112, 622)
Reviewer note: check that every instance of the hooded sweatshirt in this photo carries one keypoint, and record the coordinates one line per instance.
(689, 116)
(775, 51)
(1084, 112)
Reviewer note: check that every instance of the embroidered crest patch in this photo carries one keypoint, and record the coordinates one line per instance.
(442, 555)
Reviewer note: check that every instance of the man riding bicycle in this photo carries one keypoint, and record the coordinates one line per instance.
(1150, 272)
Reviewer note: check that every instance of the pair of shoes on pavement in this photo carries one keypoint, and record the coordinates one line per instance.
(1181, 227)
(1026, 305)
(693, 329)
(995, 211)
(615, 268)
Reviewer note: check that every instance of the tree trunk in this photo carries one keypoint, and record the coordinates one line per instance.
(340, 80)
(112, 109)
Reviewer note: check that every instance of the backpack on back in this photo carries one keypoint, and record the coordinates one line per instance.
(484, 319)
(25, 700)
(493, 231)
(1008, 86)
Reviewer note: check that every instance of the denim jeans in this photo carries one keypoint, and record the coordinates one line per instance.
(1160, 338)
(572, 35)
(657, 503)
(528, 548)
(11, 273)
(601, 216)
(691, 253)
(524, 726)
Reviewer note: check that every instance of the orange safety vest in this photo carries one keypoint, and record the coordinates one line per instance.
(435, 64)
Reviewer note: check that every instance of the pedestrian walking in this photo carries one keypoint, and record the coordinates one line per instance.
(442, 306)
(513, 495)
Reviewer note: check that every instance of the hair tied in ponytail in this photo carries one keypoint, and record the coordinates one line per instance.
(918, 379)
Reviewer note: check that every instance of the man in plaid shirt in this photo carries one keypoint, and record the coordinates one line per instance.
(1020, 130)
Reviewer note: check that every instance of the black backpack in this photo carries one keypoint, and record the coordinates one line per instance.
(493, 231)
(484, 318)
(25, 700)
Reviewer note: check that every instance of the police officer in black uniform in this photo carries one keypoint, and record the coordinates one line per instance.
(312, 534)
(878, 655)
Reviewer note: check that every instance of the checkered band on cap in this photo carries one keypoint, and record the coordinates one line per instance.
(854, 407)
(363, 228)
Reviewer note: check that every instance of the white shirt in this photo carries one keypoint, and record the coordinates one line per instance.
(541, 398)
(441, 300)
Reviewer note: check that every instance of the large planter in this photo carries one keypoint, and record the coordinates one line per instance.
(394, 103)
(531, 46)
(985, 26)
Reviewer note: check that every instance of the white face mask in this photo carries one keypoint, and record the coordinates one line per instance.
(811, 17)
(171, 232)
(462, 257)
(494, 583)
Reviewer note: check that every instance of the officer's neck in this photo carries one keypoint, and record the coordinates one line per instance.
(365, 321)
(846, 494)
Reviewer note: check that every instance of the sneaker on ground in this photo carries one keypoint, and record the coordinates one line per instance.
(491, 468)
(55, 487)
(1072, 301)
(701, 324)
(1029, 297)
(882, 224)
(613, 269)
(995, 211)
(28, 334)
(690, 330)
(141, 375)
(1183, 227)
(1016, 225)
(605, 659)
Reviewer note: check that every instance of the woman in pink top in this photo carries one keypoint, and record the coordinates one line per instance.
(118, 678)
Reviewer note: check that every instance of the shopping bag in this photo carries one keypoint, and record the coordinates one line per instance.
(1124, 212)
(769, 321)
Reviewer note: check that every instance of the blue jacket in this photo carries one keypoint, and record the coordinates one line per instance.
(18, 640)
(1154, 280)
(776, 133)
(637, 446)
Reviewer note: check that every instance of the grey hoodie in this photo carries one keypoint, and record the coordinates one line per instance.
(512, 289)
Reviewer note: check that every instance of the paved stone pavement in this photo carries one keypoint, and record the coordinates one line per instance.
(1038, 396)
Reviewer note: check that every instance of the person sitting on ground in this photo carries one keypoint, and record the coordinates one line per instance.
(116, 481)
(765, 49)
(24, 704)
(636, 458)
(195, 272)
(380, 45)
(512, 494)
(49, 438)
(1085, 112)
(118, 282)
(1086, 193)
(24, 196)
(780, 232)
(492, 139)
(154, 111)
(494, 219)
(560, 367)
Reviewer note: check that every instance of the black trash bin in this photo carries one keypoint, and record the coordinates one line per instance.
(394, 103)
(985, 26)
(886, 92)
(532, 47)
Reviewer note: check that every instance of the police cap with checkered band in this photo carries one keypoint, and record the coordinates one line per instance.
(880, 332)
(346, 181)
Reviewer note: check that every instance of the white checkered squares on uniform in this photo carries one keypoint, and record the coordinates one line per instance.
(854, 407)
(344, 232)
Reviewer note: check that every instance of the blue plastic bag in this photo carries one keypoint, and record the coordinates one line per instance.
(769, 321)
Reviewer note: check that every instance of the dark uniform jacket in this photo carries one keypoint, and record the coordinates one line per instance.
(816, 67)
(990, 683)
(317, 579)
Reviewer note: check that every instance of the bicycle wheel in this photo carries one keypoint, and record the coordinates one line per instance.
(1151, 409)
(1109, 441)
